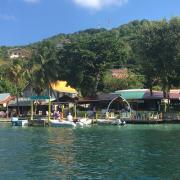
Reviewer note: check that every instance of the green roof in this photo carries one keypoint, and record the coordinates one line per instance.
(131, 94)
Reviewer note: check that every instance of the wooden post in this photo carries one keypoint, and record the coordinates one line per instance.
(75, 111)
(49, 109)
(7, 111)
(32, 102)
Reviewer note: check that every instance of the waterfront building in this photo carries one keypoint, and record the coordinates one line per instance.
(41, 102)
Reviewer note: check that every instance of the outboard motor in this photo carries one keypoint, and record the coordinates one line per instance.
(123, 123)
(119, 122)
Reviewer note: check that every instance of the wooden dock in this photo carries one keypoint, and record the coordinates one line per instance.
(154, 121)
(138, 121)
(5, 120)
(38, 123)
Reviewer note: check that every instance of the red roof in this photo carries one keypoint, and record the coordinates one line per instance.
(120, 73)
(6, 100)
(174, 96)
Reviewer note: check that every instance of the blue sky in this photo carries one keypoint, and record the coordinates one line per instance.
(26, 21)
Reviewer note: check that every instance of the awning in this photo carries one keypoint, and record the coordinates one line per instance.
(62, 87)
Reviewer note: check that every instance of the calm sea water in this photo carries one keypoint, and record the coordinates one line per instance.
(130, 152)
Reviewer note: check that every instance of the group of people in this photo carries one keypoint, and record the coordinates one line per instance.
(58, 115)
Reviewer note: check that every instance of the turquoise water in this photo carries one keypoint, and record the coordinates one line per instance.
(130, 152)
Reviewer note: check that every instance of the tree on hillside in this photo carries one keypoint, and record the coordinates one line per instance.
(5, 84)
(157, 48)
(43, 67)
(15, 73)
(132, 81)
(87, 60)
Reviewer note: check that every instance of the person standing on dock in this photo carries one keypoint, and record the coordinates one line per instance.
(94, 112)
(69, 117)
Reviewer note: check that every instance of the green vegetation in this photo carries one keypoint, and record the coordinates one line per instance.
(150, 50)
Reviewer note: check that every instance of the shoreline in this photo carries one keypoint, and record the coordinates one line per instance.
(128, 121)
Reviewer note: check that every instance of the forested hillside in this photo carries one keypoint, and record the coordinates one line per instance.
(148, 50)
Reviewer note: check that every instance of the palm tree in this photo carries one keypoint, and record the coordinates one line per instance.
(15, 73)
(45, 67)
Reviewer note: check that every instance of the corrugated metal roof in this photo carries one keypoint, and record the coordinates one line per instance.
(132, 95)
(175, 96)
(5, 97)
(25, 102)
(139, 94)
(98, 98)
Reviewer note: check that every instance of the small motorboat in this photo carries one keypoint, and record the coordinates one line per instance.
(84, 122)
(118, 122)
(19, 122)
(63, 123)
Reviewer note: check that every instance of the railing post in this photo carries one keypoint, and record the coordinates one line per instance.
(32, 110)
(49, 109)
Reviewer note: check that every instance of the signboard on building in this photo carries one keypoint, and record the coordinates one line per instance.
(39, 97)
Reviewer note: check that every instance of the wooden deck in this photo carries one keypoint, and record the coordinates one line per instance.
(38, 123)
(154, 121)
(5, 120)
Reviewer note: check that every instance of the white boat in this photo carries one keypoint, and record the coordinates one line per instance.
(57, 123)
(84, 122)
(19, 122)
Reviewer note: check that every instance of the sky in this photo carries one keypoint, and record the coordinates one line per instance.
(27, 21)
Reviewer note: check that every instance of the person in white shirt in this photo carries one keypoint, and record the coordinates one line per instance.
(69, 117)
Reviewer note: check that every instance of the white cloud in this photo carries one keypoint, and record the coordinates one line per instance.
(99, 4)
(6, 17)
(31, 1)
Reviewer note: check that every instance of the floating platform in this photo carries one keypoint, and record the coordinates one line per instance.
(38, 123)
(19, 122)
(5, 120)
(116, 122)
(151, 121)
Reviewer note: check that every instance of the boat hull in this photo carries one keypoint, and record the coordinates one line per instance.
(57, 123)
(84, 122)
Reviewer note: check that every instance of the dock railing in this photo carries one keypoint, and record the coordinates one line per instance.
(134, 115)
(168, 116)
(146, 115)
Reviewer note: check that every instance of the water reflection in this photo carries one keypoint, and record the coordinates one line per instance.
(62, 152)
(130, 152)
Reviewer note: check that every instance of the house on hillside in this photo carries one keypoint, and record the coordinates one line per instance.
(120, 73)
(18, 53)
